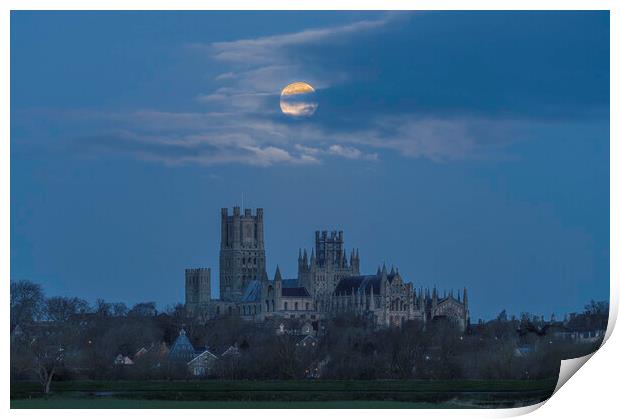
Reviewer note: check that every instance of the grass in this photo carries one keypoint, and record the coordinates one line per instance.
(69, 403)
(283, 394)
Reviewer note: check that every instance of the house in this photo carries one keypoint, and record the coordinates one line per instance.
(296, 327)
(201, 364)
(308, 341)
(122, 360)
(232, 351)
(141, 352)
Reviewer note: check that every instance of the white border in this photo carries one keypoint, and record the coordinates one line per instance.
(592, 394)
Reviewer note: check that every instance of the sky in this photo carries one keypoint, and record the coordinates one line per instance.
(468, 149)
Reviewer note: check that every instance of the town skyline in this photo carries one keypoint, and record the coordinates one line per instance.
(460, 153)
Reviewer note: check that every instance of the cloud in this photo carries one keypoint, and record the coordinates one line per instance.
(337, 150)
(238, 121)
(350, 153)
(268, 49)
(260, 67)
(212, 138)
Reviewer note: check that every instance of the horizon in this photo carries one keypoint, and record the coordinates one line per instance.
(451, 145)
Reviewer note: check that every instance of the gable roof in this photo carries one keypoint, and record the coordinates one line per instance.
(201, 356)
(295, 292)
(349, 284)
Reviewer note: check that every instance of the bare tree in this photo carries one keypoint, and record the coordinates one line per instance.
(63, 309)
(27, 302)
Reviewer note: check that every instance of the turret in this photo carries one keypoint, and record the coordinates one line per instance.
(278, 287)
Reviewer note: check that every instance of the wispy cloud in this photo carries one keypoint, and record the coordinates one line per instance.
(240, 120)
(261, 66)
(269, 49)
(215, 138)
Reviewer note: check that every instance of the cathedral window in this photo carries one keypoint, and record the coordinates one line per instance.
(285, 305)
(296, 305)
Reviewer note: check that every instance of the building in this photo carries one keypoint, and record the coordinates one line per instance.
(202, 363)
(242, 252)
(328, 283)
(182, 349)
(197, 289)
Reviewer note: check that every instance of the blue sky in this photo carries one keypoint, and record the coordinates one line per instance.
(466, 148)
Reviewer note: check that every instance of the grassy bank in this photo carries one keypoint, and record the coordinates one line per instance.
(283, 394)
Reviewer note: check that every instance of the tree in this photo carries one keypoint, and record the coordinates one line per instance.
(63, 309)
(143, 310)
(27, 302)
(119, 309)
(102, 308)
(45, 348)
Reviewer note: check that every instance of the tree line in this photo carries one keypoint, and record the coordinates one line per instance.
(65, 338)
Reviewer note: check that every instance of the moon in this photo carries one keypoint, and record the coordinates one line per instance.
(298, 100)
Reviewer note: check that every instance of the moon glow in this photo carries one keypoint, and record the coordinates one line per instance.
(298, 100)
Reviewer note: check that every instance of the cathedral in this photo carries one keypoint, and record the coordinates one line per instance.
(328, 283)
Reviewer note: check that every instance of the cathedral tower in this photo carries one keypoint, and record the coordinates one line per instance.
(242, 252)
(328, 264)
(197, 289)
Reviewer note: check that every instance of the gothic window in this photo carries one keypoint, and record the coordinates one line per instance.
(285, 305)
(296, 305)
(307, 306)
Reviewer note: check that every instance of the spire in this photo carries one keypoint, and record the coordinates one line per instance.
(312, 258)
(352, 257)
(299, 258)
(383, 270)
(465, 296)
(379, 270)
(305, 257)
(344, 258)
(278, 276)
(392, 271)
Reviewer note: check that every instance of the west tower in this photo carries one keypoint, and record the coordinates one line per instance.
(242, 252)
(197, 289)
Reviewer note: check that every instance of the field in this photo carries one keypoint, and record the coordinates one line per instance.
(282, 394)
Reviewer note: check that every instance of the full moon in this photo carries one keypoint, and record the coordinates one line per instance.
(298, 100)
